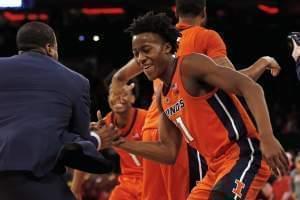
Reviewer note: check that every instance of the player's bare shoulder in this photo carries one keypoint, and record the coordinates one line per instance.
(195, 64)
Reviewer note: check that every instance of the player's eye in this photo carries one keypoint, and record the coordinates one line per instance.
(146, 49)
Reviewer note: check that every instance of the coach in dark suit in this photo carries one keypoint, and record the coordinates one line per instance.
(44, 107)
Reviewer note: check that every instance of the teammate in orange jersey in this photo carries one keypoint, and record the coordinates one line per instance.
(213, 121)
(195, 38)
(129, 121)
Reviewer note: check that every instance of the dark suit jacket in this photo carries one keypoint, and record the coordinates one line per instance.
(43, 106)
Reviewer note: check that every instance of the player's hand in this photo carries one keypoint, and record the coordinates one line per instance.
(116, 89)
(274, 155)
(296, 50)
(272, 65)
(119, 141)
(128, 88)
(118, 93)
(107, 133)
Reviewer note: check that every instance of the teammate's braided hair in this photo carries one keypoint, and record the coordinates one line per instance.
(159, 24)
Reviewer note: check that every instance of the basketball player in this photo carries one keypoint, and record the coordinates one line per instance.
(129, 121)
(195, 38)
(198, 97)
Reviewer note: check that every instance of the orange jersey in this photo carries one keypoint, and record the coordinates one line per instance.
(194, 39)
(218, 126)
(131, 165)
(197, 39)
(129, 188)
(210, 123)
(151, 121)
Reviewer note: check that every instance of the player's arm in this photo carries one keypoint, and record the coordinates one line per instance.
(255, 70)
(260, 66)
(164, 151)
(76, 185)
(216, 49)
(235, 82)
(224, 61)
(123, 75)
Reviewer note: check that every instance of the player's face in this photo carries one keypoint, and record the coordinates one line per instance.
(150, 53)
(121, 103)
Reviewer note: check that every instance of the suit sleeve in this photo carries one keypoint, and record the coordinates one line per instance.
(81, 115)
(215, 45)
(79, 149)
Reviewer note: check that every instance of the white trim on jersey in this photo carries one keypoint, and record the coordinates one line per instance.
(249, 164)
(135, 160)
(200, 166)
(229, 116)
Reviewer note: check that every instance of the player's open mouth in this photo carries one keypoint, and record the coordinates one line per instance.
(147, 66)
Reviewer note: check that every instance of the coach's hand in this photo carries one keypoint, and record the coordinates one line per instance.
(274, 155)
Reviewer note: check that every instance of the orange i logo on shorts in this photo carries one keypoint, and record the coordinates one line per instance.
(238, 189)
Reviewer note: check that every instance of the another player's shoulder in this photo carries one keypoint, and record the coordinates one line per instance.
(204, 31)
(211, 32)
(141, 113)
(213, 35)
(205, 35)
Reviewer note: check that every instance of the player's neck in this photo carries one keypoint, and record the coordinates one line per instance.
(121, 119)
(168, 74)
(194, 21)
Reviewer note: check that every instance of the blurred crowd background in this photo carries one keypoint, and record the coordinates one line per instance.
(92, 42)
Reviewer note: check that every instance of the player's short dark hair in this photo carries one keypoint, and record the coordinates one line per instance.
(190, 8)
(34, 35)
(159, 24)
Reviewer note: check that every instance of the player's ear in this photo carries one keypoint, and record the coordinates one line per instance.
(167, 48)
